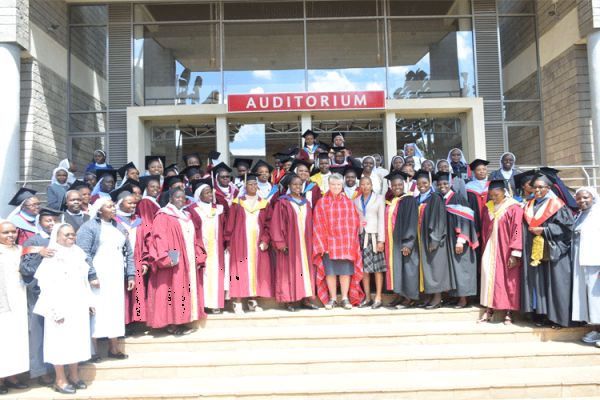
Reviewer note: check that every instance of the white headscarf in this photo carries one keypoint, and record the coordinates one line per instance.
(66, 164)
(591, 190)
(199, 191)
(418, 152)
(103, 165)
(98, 204)
(463, 160)
(55, 181)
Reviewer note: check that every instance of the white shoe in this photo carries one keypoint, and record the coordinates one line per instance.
(238, 308)
(591, 337)
(253, 306)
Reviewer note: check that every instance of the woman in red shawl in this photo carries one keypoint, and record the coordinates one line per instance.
(336, 247)
(175, 295)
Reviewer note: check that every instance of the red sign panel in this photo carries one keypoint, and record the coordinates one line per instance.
(306, 101)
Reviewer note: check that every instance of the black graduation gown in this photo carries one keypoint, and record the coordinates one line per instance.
(406, 269)
(29, 265)
(433, 225)
(463, 267)
(546, 289)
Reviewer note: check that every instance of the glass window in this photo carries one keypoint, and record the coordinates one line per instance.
(176, 12)
(515, 7)
(344, 8)
(345, 55)
(434, 136)
(247, 140)
(87, 122)
(264, 57)
(175, 140)
(263, 10)
(429, 7)
(362, 136)
(82, 149)
(431, 58)
(524, 141)
(89, 89)
(518, 49)
(90, 15)
(177, 64)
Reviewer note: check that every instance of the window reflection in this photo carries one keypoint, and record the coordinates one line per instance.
(434, 136)
(247, 139)
(431, 58)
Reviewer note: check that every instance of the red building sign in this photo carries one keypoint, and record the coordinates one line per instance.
(369, 100)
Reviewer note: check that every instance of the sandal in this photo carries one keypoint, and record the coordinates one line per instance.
(487, 316)
(508, 318)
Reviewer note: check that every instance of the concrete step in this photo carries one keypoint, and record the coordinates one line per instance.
(278, 317)
(310, 336)
(566, 382)
(292, 361)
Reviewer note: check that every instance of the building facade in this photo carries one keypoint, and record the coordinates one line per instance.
(156, 77)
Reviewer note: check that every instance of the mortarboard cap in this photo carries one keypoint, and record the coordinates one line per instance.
(242, 161)
(285, 180)
(189, 172)
(150, 159)
(523, 177)
(497, 184)
(336, 134)
(290, 151)
(21, 195)
(299, 162)
(396, 175)
(323, 156)
(171, 167)
(442, 176)
(186, 157)
(170, 181)
(102, 172)
(214, 155)
(351, 168)
(78, 184)
(199, 182)
(251, 177)
(49, 211)
(309, 132)
(337, 149)
(121, 193)
(260, 163)
(541, 176)
(145, 180)
(221, 166)
(477, 162)
(336, 169)
(125, 168)
(423, 174)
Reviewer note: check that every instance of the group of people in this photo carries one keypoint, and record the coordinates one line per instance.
(164, 247)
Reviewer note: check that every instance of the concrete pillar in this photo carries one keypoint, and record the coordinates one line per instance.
(593, 51)
(10, 82)
(390, 144)
(223, 138)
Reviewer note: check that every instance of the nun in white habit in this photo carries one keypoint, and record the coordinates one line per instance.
(14, 339)
(65, 302)
(586, 261)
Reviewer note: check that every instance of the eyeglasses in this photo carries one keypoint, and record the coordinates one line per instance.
(33, 205)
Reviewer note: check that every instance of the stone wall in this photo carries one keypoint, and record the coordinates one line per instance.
(14, 22)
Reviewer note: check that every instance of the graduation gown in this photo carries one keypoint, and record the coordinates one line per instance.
(477, 196)
(250, 272)
(25, 227)
(501, 239)
(175, 293)
(14, 343)
(433, 229)
(461, 227)
(547, 287)
(291, 227)
(212, 224)
(312, 193)
(135, 300)
(30, 261)
(401, 223)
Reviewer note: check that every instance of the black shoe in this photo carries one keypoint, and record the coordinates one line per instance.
(376, 305)
(67, 389)
(15, 385)
(309, 306)
(95, 358)
(118, 356)
(79, 385)
(365, 303)
(422, 305)
(433, 306)
(3, 389)
(392, 304)
(290, 308)
(44, 383)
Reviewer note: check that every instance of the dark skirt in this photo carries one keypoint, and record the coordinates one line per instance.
(372, 262)
(337, 267)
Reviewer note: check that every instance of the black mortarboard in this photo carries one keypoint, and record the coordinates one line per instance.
(523, 177)
(78, 184)
(132, 183)
(290, 151)
(169, 181)
(285, 180)
(477, 162)
(22, 195)
(423, 174)
(542, 176)
(189, 172)
(149, 159)
(497, 184)
(396, 174)
(550, 172)
(336, 149)
(220, 166)
(324, 147)
(122, 192)
(186, 157)
(336, 134)
(336, 169)
(123, 170)
(323, 156)
(171, 167)
(145, 180)
(49, 211)
(199, 182)
(214, 155)
(442, 176)
(260, 163)
(309, 132)
(357, 170)
(284, 159)
(299, 162)
(251, 177)
(242, 161)
(102, 172)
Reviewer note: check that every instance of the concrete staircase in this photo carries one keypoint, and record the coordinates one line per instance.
(361, 353)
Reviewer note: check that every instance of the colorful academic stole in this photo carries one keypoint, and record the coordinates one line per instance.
(421, 277)
(535, 220)
(391, 212)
